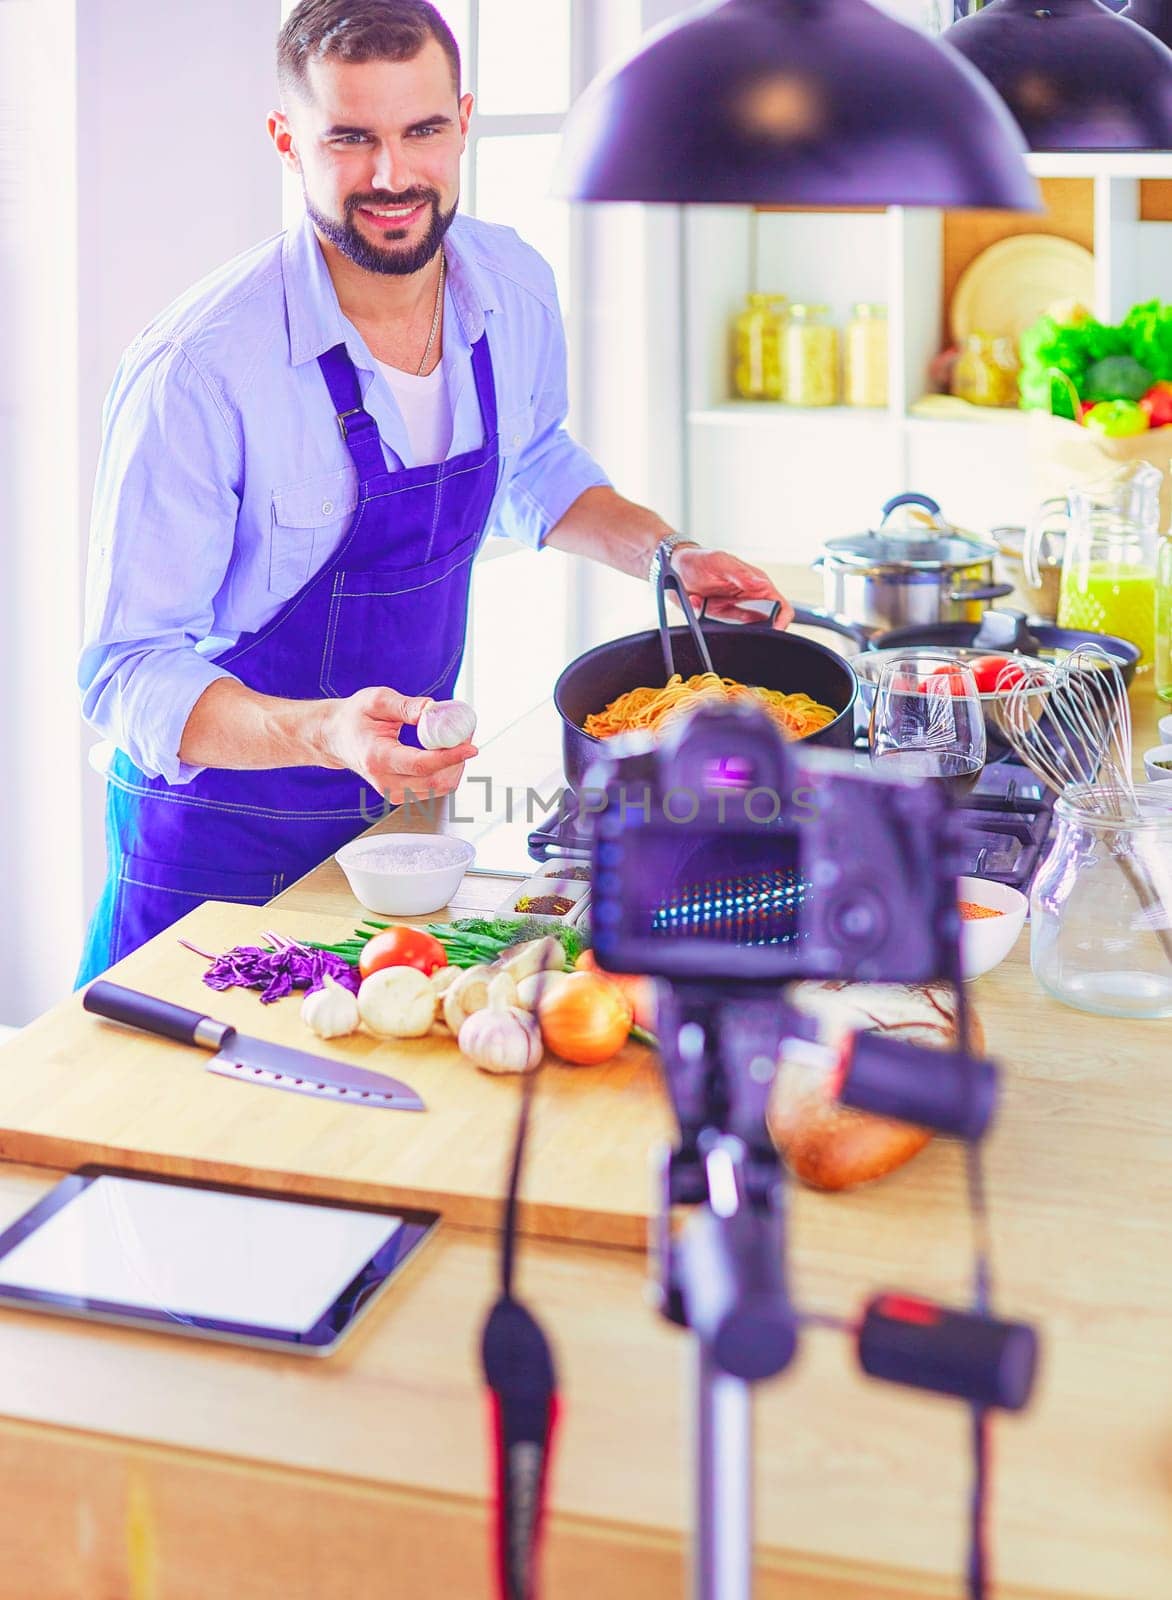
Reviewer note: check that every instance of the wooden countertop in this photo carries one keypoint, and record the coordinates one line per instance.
(319, 1478)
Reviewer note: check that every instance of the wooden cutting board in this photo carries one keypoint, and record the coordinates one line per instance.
(74, 1088)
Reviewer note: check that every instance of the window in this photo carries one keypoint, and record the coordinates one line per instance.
(517, 58)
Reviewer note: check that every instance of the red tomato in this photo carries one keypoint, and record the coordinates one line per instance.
(1158, 404)
(987, 670)
(956, 679)
(402, 947)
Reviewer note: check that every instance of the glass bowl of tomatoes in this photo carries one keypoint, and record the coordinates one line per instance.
(995, 675)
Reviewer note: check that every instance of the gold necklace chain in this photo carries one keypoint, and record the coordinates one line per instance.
(435, 321)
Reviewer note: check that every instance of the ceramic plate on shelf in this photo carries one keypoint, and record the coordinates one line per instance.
(1013, 282)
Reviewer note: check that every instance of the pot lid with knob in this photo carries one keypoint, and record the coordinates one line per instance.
(920, 540)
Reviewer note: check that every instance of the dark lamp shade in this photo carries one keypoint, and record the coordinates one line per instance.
(795, 102)
(1076, 75)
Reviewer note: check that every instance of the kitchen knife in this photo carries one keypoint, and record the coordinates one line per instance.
(251, 1060)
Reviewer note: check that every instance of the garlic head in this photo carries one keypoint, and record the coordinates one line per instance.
(446, 723)
(331, 1011)
(501, 1041)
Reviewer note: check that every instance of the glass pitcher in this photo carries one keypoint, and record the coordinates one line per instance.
(1108, 582)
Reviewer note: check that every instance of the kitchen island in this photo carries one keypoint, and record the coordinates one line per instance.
(141, 1466)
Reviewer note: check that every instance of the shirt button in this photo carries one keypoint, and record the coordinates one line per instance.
(327, 506)
(516, 438)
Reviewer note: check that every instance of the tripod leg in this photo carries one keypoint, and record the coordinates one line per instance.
(722, 1557)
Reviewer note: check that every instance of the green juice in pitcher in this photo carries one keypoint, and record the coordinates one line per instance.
(1164, 618)
(1107, 597)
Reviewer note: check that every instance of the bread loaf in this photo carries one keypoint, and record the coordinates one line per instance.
(831, 1146)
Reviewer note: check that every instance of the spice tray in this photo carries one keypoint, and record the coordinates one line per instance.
(570, 896)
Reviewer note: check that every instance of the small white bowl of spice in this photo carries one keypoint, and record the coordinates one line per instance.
(405, 874)
(1158, 763)
(992, 916)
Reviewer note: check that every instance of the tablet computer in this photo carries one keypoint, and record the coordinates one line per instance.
(214, 1260)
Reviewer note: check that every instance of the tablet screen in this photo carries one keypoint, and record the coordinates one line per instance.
(209, 1257)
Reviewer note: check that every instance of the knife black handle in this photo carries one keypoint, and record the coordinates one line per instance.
(156, 1016)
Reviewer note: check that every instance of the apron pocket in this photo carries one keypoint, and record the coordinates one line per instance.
(403, 628)
(200, 883)
(308, 522)
(152, 895)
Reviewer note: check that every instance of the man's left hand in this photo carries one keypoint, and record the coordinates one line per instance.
(724, 580)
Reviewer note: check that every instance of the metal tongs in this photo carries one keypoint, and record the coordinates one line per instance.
(668, 579)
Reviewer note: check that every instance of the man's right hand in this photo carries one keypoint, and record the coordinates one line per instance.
(361, 733)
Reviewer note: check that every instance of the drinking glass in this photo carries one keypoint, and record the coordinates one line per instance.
(927, 721)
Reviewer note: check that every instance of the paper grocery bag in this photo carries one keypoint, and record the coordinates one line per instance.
(1063, 454)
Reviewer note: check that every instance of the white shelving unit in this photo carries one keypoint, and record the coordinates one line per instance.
(772, 481)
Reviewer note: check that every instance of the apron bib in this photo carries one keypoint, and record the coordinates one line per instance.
(390, 608)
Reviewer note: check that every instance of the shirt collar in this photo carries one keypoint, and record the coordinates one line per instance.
(316, 323)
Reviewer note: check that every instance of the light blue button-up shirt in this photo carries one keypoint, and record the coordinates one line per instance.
(224, 483)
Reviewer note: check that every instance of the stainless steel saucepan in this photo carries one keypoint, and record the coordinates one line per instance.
(919, 572)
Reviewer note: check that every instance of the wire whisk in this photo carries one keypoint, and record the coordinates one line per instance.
(1071, 725)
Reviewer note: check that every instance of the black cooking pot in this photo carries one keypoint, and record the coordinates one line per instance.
(752, 654)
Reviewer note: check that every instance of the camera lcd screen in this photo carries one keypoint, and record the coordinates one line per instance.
(741, 889)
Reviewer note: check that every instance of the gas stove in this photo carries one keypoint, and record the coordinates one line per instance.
(1005, 821)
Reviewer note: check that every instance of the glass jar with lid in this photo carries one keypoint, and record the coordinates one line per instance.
(1101, 907)
(865, 380)
(757, 362)
(810, 357)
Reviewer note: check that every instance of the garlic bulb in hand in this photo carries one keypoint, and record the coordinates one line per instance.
(330, 1011)
(445, 724)
(501, 1039)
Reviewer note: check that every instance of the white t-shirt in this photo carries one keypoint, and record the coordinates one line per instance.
(426, 409)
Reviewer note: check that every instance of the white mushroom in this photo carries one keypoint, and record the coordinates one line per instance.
(397, 1003)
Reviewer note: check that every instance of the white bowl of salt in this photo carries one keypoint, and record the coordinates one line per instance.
(405, 874)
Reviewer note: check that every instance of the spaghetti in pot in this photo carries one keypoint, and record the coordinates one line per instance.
(797, 715)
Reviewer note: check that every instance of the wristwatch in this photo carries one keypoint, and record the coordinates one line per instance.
(665, 547)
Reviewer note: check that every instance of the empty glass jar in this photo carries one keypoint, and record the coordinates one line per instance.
(1101, 909)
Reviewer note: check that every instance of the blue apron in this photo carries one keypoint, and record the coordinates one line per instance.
(390, 608)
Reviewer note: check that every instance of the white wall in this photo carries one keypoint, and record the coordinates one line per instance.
(147, 165)
(39, 845)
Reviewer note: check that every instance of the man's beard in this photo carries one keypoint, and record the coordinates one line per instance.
(345, 235)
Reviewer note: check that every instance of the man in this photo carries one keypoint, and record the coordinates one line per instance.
(301, 458)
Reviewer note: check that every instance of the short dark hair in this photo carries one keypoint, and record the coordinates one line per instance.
(358, 30)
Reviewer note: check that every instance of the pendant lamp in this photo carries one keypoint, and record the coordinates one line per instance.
(1154, 15)
(1076, 75)
(794, 102)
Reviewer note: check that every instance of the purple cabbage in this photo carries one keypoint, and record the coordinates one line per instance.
(278, 972)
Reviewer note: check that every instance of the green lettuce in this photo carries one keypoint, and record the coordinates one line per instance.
(1070, 348)
(1148, 329)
